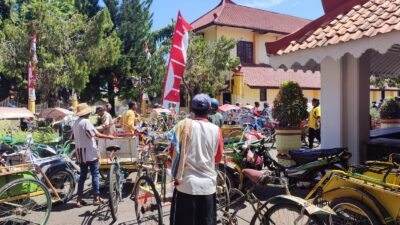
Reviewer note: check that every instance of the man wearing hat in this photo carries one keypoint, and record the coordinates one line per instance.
(86, 152)
(106, 125)
(197, 147)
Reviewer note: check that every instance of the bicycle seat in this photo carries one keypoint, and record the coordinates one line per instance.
(258, 176)
(113, 148)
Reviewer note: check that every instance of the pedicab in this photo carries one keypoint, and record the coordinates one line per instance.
(231, 129)
(118, 158)
(26, 192)
(366, 194)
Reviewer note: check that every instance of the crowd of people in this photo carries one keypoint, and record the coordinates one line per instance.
(198, 146)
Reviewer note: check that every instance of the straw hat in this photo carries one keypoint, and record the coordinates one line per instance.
(83, 109)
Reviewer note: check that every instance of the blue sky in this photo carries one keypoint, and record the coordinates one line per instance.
(165, 10)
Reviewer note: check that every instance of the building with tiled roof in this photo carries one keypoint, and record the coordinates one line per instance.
(252, 28)
(230, 14)
(354, 40)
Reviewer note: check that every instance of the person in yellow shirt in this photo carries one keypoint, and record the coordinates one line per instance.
(315, 123)
(129, 117)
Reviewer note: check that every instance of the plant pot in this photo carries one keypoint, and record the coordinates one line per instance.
(386, 123)
(287, 139)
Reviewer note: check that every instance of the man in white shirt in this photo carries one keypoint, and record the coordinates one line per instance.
(86, 152)
(198, 147)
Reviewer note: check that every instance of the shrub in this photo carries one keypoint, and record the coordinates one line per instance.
(290, 106)
(390, 109)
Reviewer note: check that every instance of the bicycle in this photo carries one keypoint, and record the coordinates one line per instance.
(295, 210)
(230, 200)
(150, 191)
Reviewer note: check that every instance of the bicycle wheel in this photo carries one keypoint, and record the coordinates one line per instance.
(115, 188)
(224, 216)
(350, 211)
(24, 201)
(147, 202)
(223, 187)
(64, 183)
(285, 214)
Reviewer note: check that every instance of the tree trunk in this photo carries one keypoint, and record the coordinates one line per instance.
(111, 97)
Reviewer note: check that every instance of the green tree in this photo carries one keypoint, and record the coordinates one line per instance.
(88, 7)
(206, 64)
(135, 20)
(69, 46)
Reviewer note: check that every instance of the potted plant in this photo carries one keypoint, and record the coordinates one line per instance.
(290, 109)
(390, 114)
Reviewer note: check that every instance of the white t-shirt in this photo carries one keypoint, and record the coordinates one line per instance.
(85, 142)
(199, 176)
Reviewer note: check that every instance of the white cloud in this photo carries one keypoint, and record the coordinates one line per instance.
(261, 3)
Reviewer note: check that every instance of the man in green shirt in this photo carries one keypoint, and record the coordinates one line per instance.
(214, 116)
(105, 121)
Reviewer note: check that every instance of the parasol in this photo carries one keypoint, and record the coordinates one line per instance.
(227, 107)
(15, 113)
(247, 107)
(161, 111)
(55, 113)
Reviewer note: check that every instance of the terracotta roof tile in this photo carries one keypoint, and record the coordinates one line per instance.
(228, 13)
(264, 76)
(366, 19)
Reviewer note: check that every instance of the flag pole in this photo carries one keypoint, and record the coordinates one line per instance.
(31, 71)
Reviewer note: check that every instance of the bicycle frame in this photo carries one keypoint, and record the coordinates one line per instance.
(116, 161)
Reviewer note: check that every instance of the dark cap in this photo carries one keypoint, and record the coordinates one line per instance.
(201, 103)
(100, 108)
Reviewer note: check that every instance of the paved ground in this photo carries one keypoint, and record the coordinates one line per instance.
(68, 214)
(97, 215)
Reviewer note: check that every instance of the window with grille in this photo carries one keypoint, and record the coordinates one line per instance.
(245, 51)
(263, 95)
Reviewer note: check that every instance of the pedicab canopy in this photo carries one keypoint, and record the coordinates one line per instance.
(159, 112)
(14, 113)
(227, 107)
(55, 113)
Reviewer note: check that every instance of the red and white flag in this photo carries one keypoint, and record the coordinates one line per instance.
(31, 70)
(31, 82)
(177, 63)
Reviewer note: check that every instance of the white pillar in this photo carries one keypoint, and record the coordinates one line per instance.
(331, 103)
(356, 82)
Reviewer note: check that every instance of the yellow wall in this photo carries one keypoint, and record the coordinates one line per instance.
(252, 95)
(391, 93)
(239, 34)
(374, 96)
(260, 56)
(210, 34)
